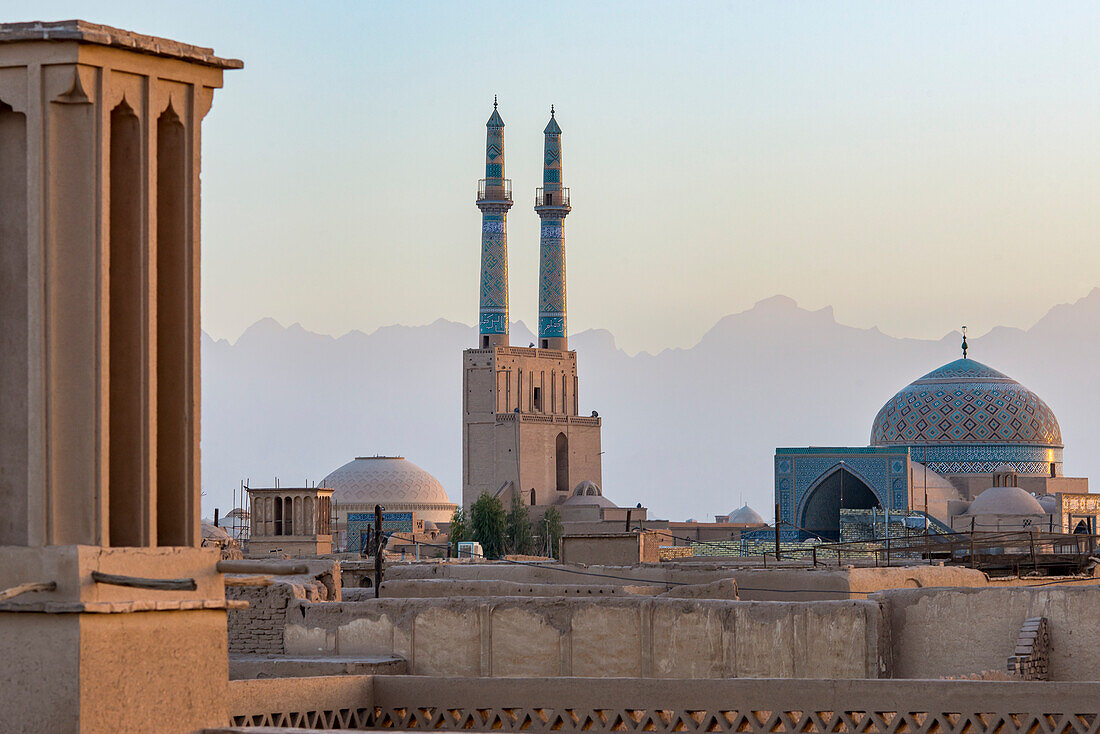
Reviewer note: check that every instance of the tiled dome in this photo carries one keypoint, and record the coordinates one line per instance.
(966, 402)
(384, 480)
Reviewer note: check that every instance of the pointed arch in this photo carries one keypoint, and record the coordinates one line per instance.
(840, 487)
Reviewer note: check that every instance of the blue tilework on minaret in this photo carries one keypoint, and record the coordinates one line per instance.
(494, 204)
(552, 300)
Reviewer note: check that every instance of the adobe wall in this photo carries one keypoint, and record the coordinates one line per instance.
(258, 630)
(611, 637)
(429, 588)
(754, 584)
(952, 632)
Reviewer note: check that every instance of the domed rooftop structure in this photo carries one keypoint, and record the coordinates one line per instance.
(745, 515)
(1005, 501)
(967, 418)
(588, 493)
(391, 481)
(589, 499)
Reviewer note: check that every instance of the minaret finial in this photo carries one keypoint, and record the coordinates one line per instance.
(965, 346)
(494, 101)
(551, 110)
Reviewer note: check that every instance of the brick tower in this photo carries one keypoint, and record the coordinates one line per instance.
(521, 435)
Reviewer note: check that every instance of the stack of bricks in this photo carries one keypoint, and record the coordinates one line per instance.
(258, 630)
(1030, 660)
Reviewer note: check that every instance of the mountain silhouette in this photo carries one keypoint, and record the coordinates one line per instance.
(686, 432)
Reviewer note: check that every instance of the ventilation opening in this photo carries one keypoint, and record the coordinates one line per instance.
(484, 341)
(126, 501)
(1053, 470)
(13, 325)
(173, 345)
(545, 344)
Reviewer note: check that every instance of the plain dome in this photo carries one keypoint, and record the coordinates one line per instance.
(1005, 501)
(589, 499)
(745, 515)
(382, 479)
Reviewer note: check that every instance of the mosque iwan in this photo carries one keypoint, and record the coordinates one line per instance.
(942, 579)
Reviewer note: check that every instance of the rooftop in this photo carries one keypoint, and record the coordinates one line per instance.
(104, 35)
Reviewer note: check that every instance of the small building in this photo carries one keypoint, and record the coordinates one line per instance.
(294, 521)
(611, 549)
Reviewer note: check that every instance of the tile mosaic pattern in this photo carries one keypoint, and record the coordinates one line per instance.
(552, 310)
(493, 308)
(965, 402)
(392, 522)
(885, 471)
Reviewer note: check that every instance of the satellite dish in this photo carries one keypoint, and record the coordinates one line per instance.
(595, 414)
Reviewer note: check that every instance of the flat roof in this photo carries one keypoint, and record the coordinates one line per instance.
(82, 31)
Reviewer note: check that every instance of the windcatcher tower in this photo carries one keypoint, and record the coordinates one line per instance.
(494, 199)
(521, 434)
(119, 623)
(552, 206)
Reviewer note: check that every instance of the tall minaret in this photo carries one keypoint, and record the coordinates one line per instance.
(552, 204)
(494, 199)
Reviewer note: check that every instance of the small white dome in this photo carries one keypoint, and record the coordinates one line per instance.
(1005, 501)
(745, 515)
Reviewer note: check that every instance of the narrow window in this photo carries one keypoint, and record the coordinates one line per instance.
(278, 516)
(561, 456)
(538, 399)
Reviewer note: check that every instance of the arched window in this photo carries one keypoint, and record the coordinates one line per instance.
(561, 453)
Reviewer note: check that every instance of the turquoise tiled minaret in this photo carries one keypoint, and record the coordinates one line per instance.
(494, 199)
(552, 205)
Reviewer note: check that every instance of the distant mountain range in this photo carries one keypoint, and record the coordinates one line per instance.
(686, 432)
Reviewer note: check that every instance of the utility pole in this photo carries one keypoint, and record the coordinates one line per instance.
(379, 544)
(776, 531)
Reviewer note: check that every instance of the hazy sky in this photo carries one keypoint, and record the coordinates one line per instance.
(918, 166)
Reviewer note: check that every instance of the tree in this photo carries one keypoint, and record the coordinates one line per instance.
(551, 523)
(518, 536)
(458, 532)
(487, 525)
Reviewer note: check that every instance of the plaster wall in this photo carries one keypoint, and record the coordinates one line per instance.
(754, 584)
(614, 637)
(429, 588)
(951, 632)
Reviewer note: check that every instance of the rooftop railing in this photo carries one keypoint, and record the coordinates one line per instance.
(551, 197)
(494, 189)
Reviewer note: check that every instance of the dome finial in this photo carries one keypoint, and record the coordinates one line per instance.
(964, 345)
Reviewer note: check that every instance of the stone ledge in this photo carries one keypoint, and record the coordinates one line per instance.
(104, 35)
(119, 607)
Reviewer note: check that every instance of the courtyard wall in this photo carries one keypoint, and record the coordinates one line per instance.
(611, 637)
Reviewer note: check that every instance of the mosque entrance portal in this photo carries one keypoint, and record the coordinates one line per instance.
(840, 490)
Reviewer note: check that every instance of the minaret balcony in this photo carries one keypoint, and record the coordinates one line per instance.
(494, 189)
(556, 198)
